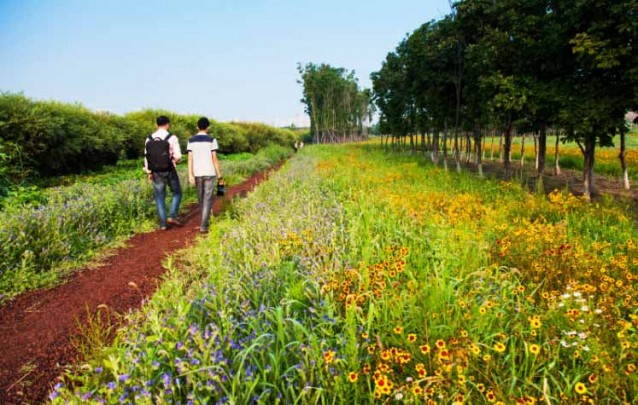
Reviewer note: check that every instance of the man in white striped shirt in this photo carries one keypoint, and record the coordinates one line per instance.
(203, 169)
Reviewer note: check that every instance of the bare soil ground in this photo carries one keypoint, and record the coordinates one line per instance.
(37, 328)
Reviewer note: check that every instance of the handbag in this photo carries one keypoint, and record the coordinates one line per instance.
(221, 187)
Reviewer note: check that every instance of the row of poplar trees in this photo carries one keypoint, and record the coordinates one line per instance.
(515, 66)
(339, 109)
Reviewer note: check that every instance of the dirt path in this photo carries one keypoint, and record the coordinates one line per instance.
(36, 329)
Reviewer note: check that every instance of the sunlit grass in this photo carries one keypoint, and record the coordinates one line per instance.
(353, 276)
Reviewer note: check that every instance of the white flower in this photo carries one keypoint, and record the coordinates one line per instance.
(565, 296)
(399, 396)
(577, 294)
(581, 321)
(586, 348)
(582, 335)
(584, 308)
(564, 344)
(408, 380)
(561, 305)
(598, 311)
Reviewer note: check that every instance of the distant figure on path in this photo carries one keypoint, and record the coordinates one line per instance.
(203, 169)
(162, 154)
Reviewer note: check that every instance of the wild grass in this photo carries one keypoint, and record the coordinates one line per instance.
(353, 276)
(72, 224)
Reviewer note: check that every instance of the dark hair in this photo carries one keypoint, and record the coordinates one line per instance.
(203, 123)
(163, 120)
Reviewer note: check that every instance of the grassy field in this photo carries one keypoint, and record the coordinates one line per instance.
(356, 277)
(48, 232)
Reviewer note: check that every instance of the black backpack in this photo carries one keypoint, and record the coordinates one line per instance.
(158, 154)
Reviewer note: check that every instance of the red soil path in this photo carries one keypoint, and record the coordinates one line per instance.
(37, 328)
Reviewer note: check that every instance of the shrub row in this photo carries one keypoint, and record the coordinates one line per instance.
(48, 138)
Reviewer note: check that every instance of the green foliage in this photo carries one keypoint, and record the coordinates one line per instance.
(44, 233)
(515, 65)
(36, 242)
(338, 109)
(42, 139)
(441, 286)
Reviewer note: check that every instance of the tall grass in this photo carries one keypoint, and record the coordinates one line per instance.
(40, 243)
(352, 277)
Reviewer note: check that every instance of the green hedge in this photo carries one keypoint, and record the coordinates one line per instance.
(48, 138)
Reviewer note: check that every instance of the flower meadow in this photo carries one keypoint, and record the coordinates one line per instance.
(356, 276)
(68, 225)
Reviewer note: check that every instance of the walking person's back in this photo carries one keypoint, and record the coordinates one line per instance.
(203, 169)
(162, 153)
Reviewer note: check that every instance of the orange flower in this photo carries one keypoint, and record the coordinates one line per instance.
(329, 356)
(398, 330)
(440, 344)
(499, 347)
(425, 349)
(352, 377)
(412, 338)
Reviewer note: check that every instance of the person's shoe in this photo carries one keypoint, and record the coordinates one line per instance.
(203, 230)
(174, 221)
(163, 228)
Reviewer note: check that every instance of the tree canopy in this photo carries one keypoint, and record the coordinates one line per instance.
(515, 66)
(338, 109)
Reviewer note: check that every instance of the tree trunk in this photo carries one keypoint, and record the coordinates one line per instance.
(535, 139)
(478, 144)
(501, 158)
(492, 147)
(523, 150)
(445, 147)
(621, 156)
(540, 155)
(435, 147)
(484, 140)
(588, 166)
(507, 147)
(556, 156)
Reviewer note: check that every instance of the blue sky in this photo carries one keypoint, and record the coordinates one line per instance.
(230, 60)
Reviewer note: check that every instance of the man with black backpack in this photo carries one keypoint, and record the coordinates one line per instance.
(161, 154)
